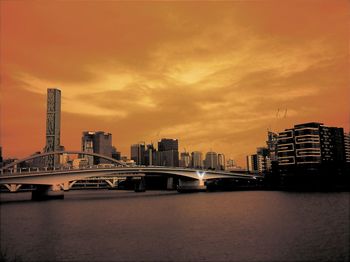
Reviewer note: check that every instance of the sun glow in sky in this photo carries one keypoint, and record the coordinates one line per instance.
(212, 74)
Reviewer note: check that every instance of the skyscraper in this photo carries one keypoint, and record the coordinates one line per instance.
(184, 159)
(211, 160)
(53, 125)
(197, 159)
(252, 163)
(97, 142)
(137, 153)
(221, 162)
(168, 152)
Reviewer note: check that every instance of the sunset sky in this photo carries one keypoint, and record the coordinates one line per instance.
(212, 74)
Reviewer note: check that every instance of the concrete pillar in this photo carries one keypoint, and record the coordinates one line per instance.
(140, 185)
(46, 192)
(65, 186)
(170, 183)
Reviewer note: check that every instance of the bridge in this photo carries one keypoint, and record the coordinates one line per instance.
(52, 183)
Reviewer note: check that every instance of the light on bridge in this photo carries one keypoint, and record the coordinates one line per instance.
(200, 174)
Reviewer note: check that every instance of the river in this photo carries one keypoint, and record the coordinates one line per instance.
(106, 225)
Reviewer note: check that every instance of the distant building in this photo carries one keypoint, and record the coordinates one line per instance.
(137, 153)
(197, 159)
(263, 160)
(80, 163)
(53, 125)
(221, 162)
(115, 154)
(168, 152)
(64, 160)
(211, 161)
(252, 163)
(310, 146)
(185, 159)
(271, 143)
(150, 155)
(99, 143)
(231, 164)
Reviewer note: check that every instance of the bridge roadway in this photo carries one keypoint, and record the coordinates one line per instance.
(61, 176)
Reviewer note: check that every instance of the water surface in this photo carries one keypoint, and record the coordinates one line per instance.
(167, 226)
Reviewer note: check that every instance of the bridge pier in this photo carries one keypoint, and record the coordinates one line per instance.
(13, 187)
(140, 184)
(191, 185)
(46, 192)
(170, 183)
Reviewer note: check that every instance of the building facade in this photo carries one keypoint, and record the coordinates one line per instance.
(221, 162)
(98, 142)
(252, 163)
(311, 146)
(197, 159)
(211, 160)
(185, 159)
(53, 125)
(168, 152)
(137, 153)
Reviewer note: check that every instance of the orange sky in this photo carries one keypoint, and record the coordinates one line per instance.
(211, 74)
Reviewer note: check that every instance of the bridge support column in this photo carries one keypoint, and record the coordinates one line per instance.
(65, 186)
(140, 184)
(170, 184)
(13, 187)
(191, 185)
(46, 192)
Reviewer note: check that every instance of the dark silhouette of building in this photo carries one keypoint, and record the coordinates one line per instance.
(137, 153)
(97, 142)
(150, 155)
(168, 152)
(116, 154)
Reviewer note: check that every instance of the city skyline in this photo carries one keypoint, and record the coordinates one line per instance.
(145, 71)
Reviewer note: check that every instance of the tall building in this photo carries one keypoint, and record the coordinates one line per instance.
(168, 152)
(150, 155)
(263, 160)
(185, 159)
(137, 153)
(53, 125)
(252, 163)
(97, 142)
(272, 145)
(211, 160)
(221, 162)
(197, 159)
(311, 145)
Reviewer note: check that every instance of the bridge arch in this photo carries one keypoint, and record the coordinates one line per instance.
(62, 152)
